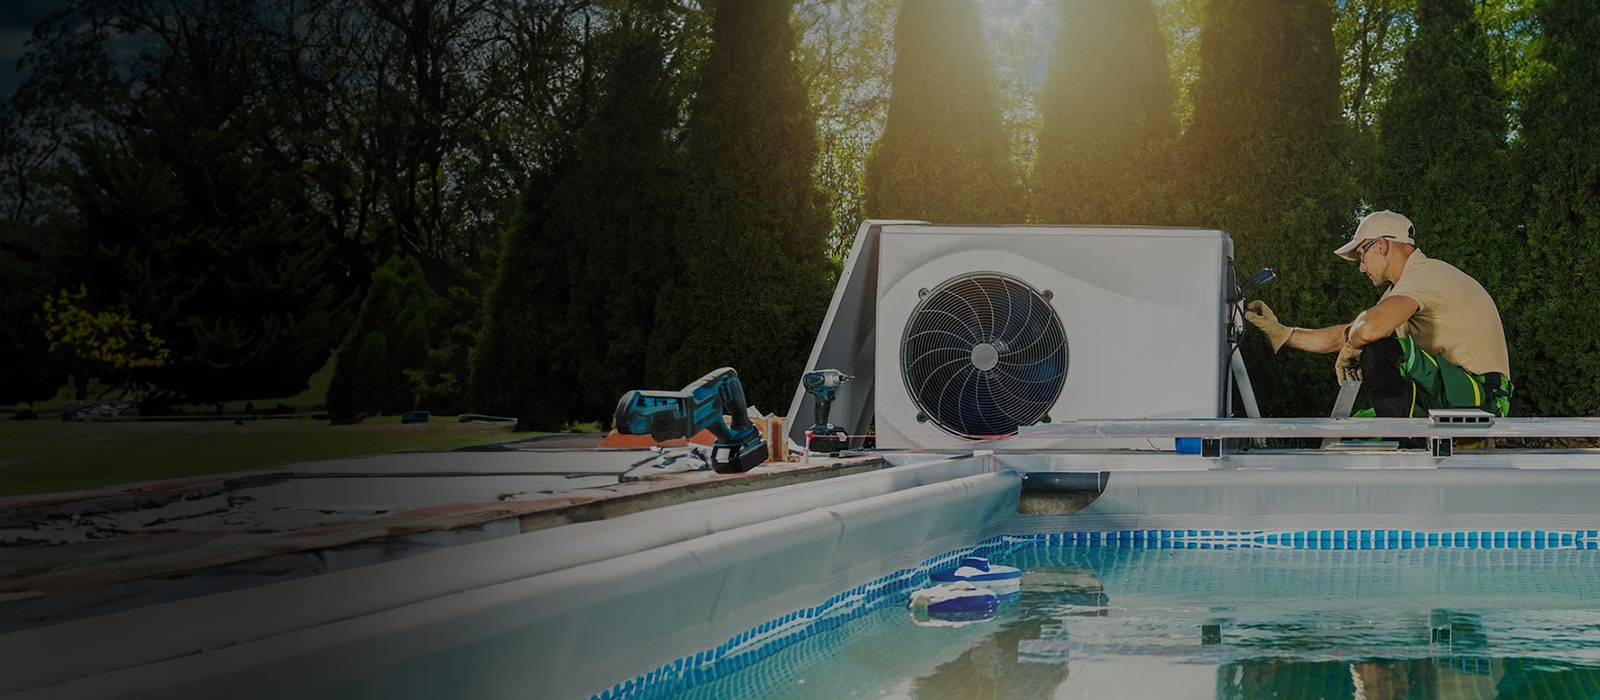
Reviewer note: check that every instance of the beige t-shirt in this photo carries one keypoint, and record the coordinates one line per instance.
(1455, 319)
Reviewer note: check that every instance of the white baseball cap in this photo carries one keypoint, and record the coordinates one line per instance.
(1378, 224)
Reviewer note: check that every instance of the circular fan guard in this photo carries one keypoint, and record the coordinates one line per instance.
(984, 354)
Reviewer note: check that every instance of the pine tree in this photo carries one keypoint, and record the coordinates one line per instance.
(1109, 119)
(617, 208)
(1554, 324)
(389, 338)
(28, 371)
(518, 367)
(215, 244)
(754, 280)
(1265, 163)
(1441, 157)
(944, 156)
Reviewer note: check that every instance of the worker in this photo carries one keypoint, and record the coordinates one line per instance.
(1434, 339)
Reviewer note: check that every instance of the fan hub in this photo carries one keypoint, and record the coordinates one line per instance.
(985, 356)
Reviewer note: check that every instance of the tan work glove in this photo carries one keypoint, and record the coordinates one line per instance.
(1348, 366)
(1260, 315)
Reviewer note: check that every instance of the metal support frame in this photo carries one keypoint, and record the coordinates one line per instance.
(1441, 447)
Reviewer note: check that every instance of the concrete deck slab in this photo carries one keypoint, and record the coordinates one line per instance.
(90, 552)
(530, 460)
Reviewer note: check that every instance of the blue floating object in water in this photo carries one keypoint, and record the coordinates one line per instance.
(979, 570)
(960, 602)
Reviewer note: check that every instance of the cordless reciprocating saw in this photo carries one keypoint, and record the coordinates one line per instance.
(668, 415)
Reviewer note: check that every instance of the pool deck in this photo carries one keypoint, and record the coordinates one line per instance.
(383, 507)
(74, 554)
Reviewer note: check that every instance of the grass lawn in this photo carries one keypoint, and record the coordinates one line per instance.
(41, 456)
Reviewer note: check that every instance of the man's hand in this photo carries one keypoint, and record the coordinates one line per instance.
(1260, 315)
(1348, 366)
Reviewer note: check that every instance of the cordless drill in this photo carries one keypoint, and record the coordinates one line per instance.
(824, 385)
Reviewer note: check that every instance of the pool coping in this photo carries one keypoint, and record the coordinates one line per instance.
(233, 546)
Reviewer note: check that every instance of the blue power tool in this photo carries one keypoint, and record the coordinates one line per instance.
(669, 415)
(824, 385)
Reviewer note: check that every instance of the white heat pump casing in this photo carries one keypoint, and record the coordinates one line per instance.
(1143, 310)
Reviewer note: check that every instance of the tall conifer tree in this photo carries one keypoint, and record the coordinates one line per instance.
(754, 280)
(944, 156)
(1265, 158)
(1441, 144)
(1554, 321)
(519, 368)
(1109, 111)
(617, 210)
(390, 336)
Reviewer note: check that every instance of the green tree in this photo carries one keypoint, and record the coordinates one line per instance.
(944, 155)
(1441, 156)
(755, 279)
(202, 236)
(182, 195)
(28, 370)
(389, 338)
(1109, 120)
(1554, 326)
(1371, 36)
(100, 343)
(518, 367)
(1511, 30)
(617, 209)
(1265, 162)
(845, 63)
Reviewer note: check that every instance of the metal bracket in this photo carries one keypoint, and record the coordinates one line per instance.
(1342, 404)
(1217, 448)
(1441, 447)
(1460, 416)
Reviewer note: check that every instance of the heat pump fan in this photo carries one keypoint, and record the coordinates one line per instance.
(983, 354)
(999, 336)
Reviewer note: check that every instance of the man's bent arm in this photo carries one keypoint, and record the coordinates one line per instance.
(1372, 325)
(1382, 320)
(1318, 340)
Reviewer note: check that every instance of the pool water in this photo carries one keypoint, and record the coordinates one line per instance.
(1237, 623)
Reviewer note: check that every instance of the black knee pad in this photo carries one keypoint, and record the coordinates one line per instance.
(1381, 355)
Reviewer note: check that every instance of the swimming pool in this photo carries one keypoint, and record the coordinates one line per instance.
(683, 598)
(1210, 615)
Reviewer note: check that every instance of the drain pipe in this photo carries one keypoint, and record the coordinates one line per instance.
(1242, 378)
(1059, 493)
(1065, 481)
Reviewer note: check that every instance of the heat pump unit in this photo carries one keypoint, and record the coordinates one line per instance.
(985, 336)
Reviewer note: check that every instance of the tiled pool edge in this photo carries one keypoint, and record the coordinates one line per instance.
(766, 639)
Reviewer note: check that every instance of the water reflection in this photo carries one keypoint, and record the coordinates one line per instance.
(1030, 655)
(1229, 625)
(1026, 656)
(1458, 666)
(1408, 679)
(996, 667)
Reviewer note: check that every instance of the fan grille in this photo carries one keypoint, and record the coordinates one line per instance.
(984, 354)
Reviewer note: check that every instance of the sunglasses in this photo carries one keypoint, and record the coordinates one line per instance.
(1362, 251)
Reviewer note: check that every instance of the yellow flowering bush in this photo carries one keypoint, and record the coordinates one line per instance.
(102, 342)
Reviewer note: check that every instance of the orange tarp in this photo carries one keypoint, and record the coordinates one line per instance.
(616, 439)
(704, 437)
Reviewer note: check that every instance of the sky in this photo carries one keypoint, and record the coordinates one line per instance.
(17, 18)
